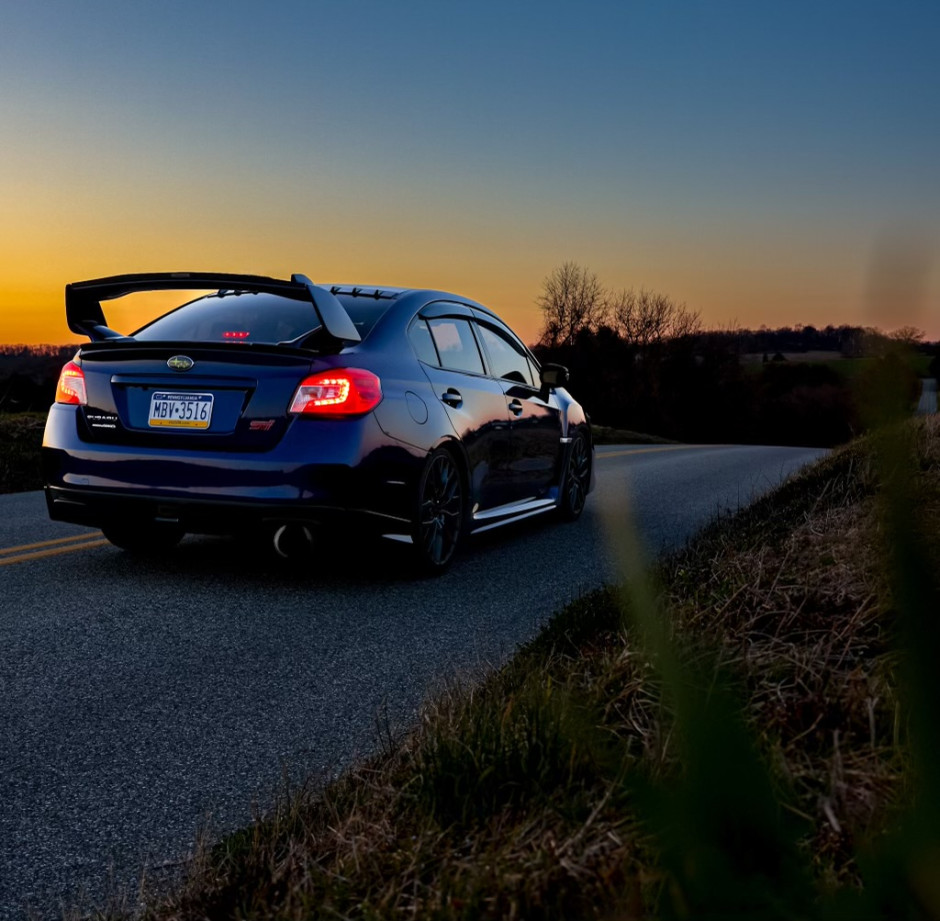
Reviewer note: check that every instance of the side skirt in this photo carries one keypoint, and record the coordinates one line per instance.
(506, 514)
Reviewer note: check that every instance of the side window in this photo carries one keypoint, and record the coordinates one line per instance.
(534, 371)
(456, 345)
(422, 343)
(507, 360)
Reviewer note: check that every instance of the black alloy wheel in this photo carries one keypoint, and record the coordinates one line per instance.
(577, 479)
(439, 524)
(144, 538)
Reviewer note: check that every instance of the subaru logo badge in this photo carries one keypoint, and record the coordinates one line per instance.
(180, 362)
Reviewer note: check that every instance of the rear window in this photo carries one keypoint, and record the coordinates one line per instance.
(421, 342)
(456, 345)
(248, 317)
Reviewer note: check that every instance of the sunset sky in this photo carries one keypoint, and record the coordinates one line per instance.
(768, 163)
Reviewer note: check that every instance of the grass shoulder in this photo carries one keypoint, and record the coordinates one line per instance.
(20, 440)
(586, 779)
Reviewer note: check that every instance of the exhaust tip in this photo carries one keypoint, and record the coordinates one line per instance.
(293, 541)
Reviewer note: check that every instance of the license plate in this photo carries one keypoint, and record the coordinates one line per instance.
(181, 410)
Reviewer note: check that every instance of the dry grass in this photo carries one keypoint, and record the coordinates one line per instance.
(591, 778)
(20, 439)
(806, 626)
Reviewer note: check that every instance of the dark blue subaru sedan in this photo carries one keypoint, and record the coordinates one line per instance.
(284, 408)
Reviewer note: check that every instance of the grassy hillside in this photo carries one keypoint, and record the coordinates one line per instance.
(20, 438)
(743, 732)
(847, 368)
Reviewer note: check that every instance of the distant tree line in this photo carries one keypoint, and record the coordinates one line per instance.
(641, 361)
(848, 341)
(28, 375)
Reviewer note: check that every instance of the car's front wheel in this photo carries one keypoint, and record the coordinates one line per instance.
(577, 481)
(148, 537)
(439, 521)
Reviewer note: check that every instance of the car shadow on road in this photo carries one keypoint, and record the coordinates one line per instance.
(339, 559)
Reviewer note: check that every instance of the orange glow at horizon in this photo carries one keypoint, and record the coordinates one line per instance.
(765, 289)
(37, 316)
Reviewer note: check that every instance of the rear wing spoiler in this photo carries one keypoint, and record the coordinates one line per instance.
(86, 317)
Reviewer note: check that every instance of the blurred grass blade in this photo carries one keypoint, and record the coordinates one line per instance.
(726, 844)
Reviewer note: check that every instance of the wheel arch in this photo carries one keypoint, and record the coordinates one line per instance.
(455, 447)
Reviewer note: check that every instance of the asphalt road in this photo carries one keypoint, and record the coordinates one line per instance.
(142, 701)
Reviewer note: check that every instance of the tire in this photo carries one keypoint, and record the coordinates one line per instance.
(577, 479)
(439, 522)
(147, 538)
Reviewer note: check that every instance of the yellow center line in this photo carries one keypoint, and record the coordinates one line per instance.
(48, 543)
(52, 551)
(645, 450)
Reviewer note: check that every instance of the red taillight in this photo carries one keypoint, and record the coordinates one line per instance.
(338, 392)
(71, 386)
(236, 334)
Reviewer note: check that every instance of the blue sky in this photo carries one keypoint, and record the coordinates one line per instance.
(747, 158)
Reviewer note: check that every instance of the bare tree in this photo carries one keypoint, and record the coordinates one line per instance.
(907, 335)
(572, 300)
(647, 318)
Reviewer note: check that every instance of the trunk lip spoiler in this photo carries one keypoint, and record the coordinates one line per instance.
(85, 315)
(99, 348)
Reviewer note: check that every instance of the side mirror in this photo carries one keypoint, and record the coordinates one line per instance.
(553, 376)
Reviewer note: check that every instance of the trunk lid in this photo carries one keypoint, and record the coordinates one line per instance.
(224, 397)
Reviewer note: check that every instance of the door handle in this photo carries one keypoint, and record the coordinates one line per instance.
(452, 397)
(515, 407)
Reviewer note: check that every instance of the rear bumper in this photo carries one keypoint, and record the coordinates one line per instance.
(337, 470)
(98, 508)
